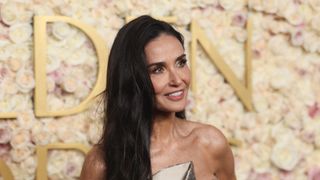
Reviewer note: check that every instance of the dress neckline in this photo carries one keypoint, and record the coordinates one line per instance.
(172, 166)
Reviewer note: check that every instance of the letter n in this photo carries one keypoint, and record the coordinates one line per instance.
(244, 92)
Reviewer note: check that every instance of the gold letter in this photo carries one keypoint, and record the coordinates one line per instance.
(5, 171)
(40, 54)
(42, 152)
(243, 91)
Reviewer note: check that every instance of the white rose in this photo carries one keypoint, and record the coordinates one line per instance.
(9, 13)
(292, 121)
(62, 30)
(22, 51)
(20, 33)
(306, 12)
(161, 8)
(20, 173)
(67, 136)
(270, 6)
(255, 4)
(26, 16)
(116, 22)
(260, 103)
(56, 164)
(54, 102)
(5, 133)
(240, 35)
(21, 153)
(82, 91)
(14, 65)
(51, 84)
(94, 133)
(280, 131)
(278, 45)
(260, 158)
(281, 78)
(20, 138)
(293, 14)
(42, 10)
(4, 38)
(315, 4)
(30, 165)
(4, 53)
(90, 70)
(284, 156)
(53, 63)
(123, 6)
(317, 136)
(311, 42)
(40, 135)
(5, 106)
(76, 41)
(78, 57)
(26, 119)
(25, 80)
(303, 91)
(70, 84)
(315, 22)
(9, 87)
(21, 102)
(231, 5)
(70, 101)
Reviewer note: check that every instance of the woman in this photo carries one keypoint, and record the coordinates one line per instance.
(145, 134)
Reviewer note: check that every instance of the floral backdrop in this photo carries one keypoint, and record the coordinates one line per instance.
(279, 140)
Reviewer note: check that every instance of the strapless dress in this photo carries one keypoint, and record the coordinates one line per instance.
(183, 171)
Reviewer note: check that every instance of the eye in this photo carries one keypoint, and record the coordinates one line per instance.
(181, 63)
(157, 69)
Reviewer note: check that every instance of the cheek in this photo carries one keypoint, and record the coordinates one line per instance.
(186, 76)
(158, 83)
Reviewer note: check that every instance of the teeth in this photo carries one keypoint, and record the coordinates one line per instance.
(176, 93)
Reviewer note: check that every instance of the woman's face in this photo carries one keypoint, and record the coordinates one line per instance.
(169, 73)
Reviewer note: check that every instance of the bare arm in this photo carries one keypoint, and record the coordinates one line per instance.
(226, 166)
(93, 167)
(222, 155)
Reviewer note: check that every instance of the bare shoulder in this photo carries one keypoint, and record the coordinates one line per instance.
(216, 146)
(209, 136)
(93, 166)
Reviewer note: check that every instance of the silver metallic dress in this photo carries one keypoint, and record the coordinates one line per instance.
(184, 171)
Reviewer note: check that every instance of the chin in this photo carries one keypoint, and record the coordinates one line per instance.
(172, 107)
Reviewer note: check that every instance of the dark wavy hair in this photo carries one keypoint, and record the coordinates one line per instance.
(129, 101)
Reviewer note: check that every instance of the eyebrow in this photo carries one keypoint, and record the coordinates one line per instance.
(162, 63)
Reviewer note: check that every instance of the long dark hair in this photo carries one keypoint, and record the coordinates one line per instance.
(129, 101)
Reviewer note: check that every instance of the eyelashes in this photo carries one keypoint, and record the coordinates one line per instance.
(160, 68)
(182, 62)
(157, 69)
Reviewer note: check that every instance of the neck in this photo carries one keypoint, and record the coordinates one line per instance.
(164, 128)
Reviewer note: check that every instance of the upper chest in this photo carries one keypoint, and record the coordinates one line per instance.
(182, 151)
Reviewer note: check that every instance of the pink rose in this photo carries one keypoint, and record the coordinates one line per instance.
(4, 149)
(314, 110)
(5, 134)
(297, 37)
(239, 19)
(314, 173)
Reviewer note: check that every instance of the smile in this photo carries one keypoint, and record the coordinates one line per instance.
(176, 96)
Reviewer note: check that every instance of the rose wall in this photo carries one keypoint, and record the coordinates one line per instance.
(279, 140)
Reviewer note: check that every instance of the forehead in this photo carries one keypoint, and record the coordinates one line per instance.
(163, 48)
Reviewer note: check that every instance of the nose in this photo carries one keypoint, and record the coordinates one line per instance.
(174, 79)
